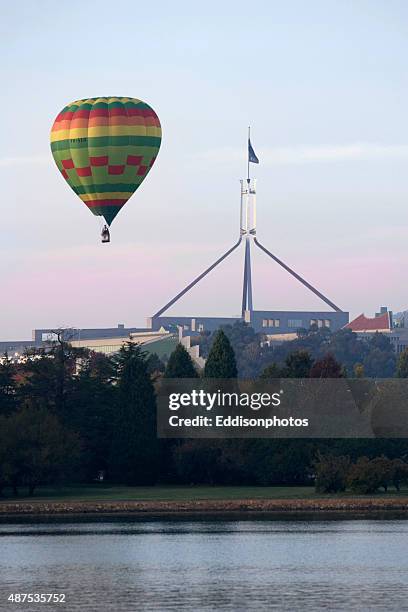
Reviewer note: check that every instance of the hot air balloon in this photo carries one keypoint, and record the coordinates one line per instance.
(104, 148)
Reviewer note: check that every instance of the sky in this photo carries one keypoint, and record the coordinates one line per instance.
(323, 85)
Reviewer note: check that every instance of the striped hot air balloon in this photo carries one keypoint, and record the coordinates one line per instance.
(104, 148)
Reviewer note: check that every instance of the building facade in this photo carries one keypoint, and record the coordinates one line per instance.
(269, 322)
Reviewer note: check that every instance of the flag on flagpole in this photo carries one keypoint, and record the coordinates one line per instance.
(251, 154)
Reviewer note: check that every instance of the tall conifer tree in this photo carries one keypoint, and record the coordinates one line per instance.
(180, 364)
(135, 449)
(221, 361)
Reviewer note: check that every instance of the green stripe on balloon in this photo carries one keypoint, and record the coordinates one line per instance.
(107, 188)
(106, 141)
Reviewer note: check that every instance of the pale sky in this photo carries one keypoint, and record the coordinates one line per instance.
(323, 85)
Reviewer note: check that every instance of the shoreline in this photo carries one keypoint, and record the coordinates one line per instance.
(340, 508)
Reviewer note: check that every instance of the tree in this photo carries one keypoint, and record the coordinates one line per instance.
(253, 354)
(155, 365)
(4, 454)
(221, 359)
(196, 461)
(327, 367)
(38, 449)
(375, 353)
(347, 348)
(7, 385)
(246, 344)
(47, 374)
(135, 450)
(402, 365)
(380, 360)
(298, 365)
(359, 370)
(400, 473)
(90, 411)
(272, 371)
(240, 335)
(180, 364)
(385, 470)
(278, 462)
(250, 360)
(38, 380)
(331, 473)
(367, 476)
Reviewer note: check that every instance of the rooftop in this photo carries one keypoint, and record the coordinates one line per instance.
(380, 323)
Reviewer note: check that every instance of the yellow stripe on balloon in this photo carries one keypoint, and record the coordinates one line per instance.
(120, 195)
(104, 130)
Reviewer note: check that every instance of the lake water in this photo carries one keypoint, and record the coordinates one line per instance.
(208, 565)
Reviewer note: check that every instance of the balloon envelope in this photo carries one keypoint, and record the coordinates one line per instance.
(104, 148)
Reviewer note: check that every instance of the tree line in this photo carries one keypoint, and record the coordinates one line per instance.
(372, 356)
(69, 415)
(335, 474)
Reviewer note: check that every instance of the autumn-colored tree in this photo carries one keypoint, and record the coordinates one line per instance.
(327, 367)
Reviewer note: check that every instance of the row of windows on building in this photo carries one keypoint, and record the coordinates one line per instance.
(293, 323)
(399, 348)
(296, 323)
(200, 327)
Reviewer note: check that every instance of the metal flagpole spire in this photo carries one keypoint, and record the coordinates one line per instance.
(249, 140)
(248, 228)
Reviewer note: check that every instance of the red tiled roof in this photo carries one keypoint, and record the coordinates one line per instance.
(363, 323)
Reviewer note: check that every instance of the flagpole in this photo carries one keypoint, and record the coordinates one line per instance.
(247, 283)
(249, 138)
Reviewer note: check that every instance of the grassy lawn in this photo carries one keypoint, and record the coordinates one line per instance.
(99, 492)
